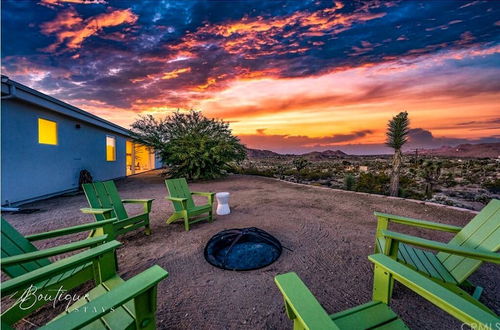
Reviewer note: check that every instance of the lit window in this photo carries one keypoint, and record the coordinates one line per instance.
(47, 131)
(110, 148)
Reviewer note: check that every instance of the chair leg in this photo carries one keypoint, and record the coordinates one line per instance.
(210, 216)
(186, 222)
(147, 231)
(172, 218)
(383, 284)
(477, 292)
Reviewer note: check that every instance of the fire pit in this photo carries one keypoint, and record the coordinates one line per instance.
(242, 249)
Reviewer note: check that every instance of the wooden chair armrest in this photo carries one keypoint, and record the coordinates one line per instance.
(89, 210)
(435, 293)
(179, 199)
(146, 202)
(18, 283)
(209, 195)
(438, 246)
(176, 199)
(142, 284)
(31, 256)
(301, 304)
(70, 230)
(203, 193)
(417, 222)
(137, 200)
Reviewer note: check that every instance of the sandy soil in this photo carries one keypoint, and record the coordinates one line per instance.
(331, 234)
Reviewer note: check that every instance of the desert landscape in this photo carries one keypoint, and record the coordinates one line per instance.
(466, 176)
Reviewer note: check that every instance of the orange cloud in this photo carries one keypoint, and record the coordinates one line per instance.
(71, 29)
(175, 73)
(259, 36)
(65, 20)
(210, 82)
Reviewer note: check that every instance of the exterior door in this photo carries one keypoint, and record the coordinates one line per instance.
(139, 158)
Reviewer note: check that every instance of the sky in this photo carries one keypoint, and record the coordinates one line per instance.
(289, 76)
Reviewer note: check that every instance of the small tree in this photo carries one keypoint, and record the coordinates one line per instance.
(349, 182)
(397, 135)
(430, 172)
(190, 144)
(300, 164)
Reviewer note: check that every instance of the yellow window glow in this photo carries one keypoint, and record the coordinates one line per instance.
(110, 148)
(47, 131)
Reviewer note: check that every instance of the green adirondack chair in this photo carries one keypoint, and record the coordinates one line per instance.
(456, 260)
(112, 304)
(105, 203)
(184, 206)
(20, 257)
(306, 312)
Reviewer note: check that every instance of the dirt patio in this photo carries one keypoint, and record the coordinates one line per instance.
(331, 234)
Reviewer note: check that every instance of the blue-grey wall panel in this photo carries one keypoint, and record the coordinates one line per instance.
(31, 170)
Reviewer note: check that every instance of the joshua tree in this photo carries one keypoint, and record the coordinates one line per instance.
(431, 171)
(397, 135)
(300, 164)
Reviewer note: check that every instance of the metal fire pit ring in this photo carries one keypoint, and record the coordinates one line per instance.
(242, 249)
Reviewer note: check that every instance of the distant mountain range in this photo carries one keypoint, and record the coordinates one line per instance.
(257, 153)
(314, 155)
(482, 150)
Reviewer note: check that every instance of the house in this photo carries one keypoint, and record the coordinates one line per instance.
(45, 143)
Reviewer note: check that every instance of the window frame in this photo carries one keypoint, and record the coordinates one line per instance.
(114, 147)
(56, 129)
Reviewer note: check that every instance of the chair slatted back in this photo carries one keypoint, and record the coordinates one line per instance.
(13, 244)
(105, 195)
(481, 233)
(179, 188)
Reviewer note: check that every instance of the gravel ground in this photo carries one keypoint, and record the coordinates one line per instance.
(330, 233)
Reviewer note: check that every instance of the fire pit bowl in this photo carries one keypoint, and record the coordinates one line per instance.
(242, 249)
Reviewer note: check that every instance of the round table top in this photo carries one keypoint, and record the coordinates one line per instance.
(224, 193)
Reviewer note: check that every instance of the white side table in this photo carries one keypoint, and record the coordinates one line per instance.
(222, 203)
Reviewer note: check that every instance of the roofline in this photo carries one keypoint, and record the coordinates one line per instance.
(48, 102)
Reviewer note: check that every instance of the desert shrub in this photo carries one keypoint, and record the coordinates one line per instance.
(493, 186)
(313, 174)
(190, 144)
(374, 183)
(449, 180)
(408, 187)
(349, 182)
(410, 193)
(256, 171)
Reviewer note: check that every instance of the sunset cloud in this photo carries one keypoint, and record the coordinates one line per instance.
(53, 3)
(71, 30)
(304, 74)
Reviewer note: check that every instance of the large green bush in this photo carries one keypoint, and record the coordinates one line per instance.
(189, 144)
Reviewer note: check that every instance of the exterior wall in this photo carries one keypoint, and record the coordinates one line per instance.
(31, 170)
(158, 162)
